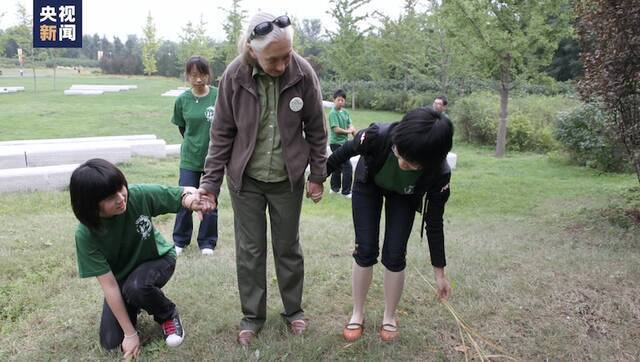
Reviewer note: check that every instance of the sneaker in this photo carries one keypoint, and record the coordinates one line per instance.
(207, 251)
(173, 331)
(332, 192)
(179, 250)
(348, 196)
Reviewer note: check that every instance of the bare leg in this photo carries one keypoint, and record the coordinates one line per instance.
(393, 285)
(360, 282)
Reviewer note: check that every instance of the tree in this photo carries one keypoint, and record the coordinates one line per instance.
(391, 54)
(150, 46)
(89, 47)
(233, 28)
(118, 47)
(608, 34)
(194, 41)
(508, 39)
(105, 45)
(167, 54)
(22, 33)
(566, 63)
(309, 42)
(346, 52)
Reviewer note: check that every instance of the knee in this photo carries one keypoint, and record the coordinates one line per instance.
(395, 262)
(134, 291)
(110, 340)
(365, 255)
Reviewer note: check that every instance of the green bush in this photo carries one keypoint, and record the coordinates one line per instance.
(530, 121)
(588, 136)
(402, 96)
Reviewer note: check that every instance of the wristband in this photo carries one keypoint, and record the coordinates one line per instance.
(132, 335)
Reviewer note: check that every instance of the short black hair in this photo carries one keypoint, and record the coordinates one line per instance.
(339, 93)
(92, 182)
(443, 99)
(423, 136)
(201, 64)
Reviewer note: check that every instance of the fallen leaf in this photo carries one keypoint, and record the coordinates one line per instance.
(461, 348)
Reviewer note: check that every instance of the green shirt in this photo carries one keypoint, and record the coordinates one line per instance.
(391, 177)
(129, 239)
(340, 119)
(195, 114)
(267, 162)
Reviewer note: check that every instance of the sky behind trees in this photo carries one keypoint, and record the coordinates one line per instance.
(122, 17)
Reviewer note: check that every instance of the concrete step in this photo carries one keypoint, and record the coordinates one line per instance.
(78, 92)
(173, 150)
(12, 158)
(148, 148)
(59, 154)
(173, 93)
(36, 178)
(103, 87)
(11, 89)
(79, 139)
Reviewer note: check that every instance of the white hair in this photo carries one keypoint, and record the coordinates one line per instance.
(259, 43)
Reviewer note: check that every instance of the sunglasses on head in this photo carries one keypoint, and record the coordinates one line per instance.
(266, 27)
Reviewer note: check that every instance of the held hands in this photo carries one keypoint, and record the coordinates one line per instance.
(314, 191)
(192, 200)
(131, 346)
(443, 287)
(208, 200)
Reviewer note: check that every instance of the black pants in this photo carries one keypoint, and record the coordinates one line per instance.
(366, 205)
(140, 290)
(346, 171)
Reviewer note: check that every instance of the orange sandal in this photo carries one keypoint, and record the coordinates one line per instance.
(353, 334)
(388, 335)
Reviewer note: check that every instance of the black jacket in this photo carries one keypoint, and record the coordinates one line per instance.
(432, 191)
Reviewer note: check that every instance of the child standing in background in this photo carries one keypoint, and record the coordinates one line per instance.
(340, 128)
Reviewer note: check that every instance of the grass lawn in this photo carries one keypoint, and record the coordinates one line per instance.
(535, 268)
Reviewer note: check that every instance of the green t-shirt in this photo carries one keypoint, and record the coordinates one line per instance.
(391, 177)
(129, 239)
(340, 119)
(195, 114)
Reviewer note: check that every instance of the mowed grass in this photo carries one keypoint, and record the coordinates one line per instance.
(534, 267)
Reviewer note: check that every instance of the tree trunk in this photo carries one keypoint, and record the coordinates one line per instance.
(33, 63)
(627, 111)
(353, 95)
(505, 79)
(444, 67)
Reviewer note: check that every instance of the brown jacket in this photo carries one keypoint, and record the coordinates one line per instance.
(235, 127)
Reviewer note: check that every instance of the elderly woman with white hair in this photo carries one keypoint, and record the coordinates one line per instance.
(269, 125)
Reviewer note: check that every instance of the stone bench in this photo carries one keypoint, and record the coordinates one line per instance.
(173, 93)
(173, 150)
(79, 139)
(148, 148)
(79, 92)
(36, 178)
(11, 89)
(12, 158)
(59, 154)
(103, 87)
